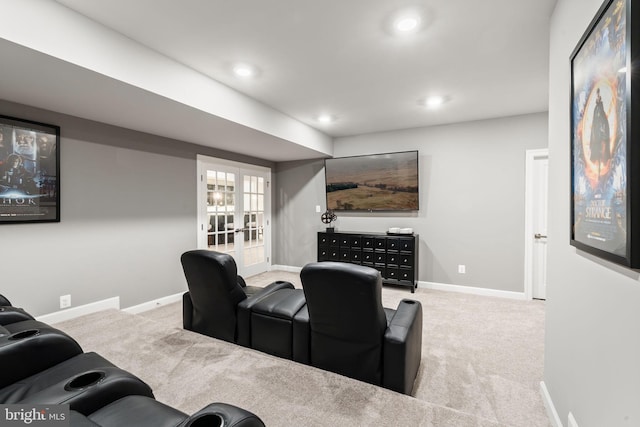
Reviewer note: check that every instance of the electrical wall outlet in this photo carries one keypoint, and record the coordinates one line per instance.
(462, 269)
(318, 209)
(65, 301)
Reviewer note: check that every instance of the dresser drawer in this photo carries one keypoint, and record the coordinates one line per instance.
(406, 245)
(405, 274)
(367, 256)
(392, 273)
(368, 242)
(406, 260)
(393, 258)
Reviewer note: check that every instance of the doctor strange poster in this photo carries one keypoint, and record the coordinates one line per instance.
(599, 135)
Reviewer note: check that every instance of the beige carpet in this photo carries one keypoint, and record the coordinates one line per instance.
(482, 362)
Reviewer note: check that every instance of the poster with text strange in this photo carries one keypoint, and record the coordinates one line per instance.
(599, 135)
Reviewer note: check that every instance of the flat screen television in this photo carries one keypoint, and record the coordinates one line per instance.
(375, 182)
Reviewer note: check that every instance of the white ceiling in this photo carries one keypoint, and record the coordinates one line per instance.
(488, 57)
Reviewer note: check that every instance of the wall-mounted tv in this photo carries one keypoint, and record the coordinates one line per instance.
(375, 182)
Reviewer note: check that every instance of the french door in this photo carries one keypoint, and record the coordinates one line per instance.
(234, 212)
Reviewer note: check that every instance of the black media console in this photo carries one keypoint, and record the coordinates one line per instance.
(395, 256)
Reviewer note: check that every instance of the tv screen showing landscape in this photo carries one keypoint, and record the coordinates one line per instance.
(377, 182)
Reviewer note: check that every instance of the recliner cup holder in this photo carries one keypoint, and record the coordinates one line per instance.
(24, 334)
(85, 380)
(207, 420)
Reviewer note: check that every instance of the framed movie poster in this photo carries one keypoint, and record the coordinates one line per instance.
(29, 171)
(604, 157)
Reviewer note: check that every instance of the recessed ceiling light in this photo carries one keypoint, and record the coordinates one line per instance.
(244, 70)
(434, 101)
(326, 118)
(407, 24)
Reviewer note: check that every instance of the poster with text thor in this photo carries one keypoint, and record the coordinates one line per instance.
(29, 171)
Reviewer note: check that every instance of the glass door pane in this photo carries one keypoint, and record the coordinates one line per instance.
(254, 252)
(221, 188)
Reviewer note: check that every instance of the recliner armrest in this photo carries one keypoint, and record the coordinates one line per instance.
(244, 310)
(223, 414)
(403, 347)
(132, 411)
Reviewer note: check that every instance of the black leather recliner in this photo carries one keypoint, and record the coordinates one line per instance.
(352, 334)
(42, 365)
(29, 347)
(85, 382)
(219, 303)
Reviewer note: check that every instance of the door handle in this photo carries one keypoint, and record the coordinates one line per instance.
(539, 236)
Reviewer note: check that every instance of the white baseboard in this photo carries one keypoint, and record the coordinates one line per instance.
(549, 406)
(286, 268)
(81, 310)
(472, 290)
(437, 286)
(149, 305)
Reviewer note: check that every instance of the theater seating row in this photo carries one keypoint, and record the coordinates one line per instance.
(336, 322)
(42, 365)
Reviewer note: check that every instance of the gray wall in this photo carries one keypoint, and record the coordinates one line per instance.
(592, 340)
(128, 211)
(299, 189)
(471, 199)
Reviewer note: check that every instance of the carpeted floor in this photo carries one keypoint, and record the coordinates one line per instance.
(482, 362)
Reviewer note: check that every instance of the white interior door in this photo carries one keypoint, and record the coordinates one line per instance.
(541, 187)
(234, 212)
(536, 207)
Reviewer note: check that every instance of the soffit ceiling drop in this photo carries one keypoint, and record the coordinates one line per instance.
(487, 59)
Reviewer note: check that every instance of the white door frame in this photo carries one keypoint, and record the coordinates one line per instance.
(530, 157)
(201, 160)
